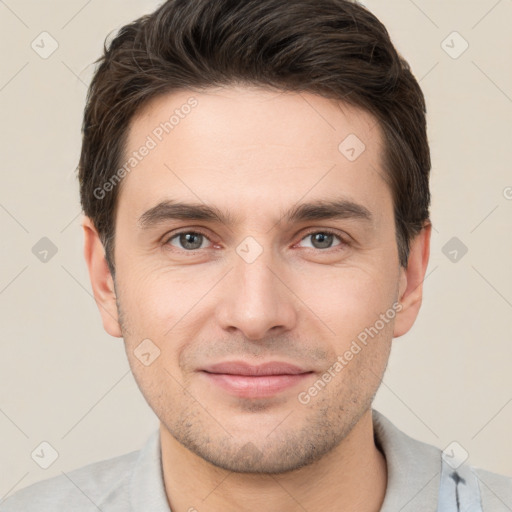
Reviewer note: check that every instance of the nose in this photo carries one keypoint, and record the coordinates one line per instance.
(257, 298)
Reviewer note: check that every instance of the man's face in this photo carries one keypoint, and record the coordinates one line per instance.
(260, 285)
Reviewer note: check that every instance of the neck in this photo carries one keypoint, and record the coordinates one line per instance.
(352, 477)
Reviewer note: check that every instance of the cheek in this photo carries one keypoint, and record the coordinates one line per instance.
(348, 299)
(153, 296)
(163, 305)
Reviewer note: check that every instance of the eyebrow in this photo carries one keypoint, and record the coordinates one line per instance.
(311, 211)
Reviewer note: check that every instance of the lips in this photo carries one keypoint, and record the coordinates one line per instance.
(242, 368)
(255, 381)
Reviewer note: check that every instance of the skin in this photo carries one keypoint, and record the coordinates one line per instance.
(257, 153)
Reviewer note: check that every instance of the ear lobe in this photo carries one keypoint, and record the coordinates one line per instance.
(411, 281)
(101, 279)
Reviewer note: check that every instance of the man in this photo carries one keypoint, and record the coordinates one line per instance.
(254, 178)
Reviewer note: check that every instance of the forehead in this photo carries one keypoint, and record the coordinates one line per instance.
(251, 147)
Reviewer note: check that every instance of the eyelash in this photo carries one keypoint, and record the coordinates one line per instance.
(343, 242)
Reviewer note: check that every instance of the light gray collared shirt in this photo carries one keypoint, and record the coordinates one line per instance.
(418, 481)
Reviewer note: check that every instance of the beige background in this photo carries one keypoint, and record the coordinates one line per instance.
(66, 382)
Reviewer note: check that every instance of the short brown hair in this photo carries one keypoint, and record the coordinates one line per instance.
(334, 48)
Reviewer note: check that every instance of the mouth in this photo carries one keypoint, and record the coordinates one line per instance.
(255, 381)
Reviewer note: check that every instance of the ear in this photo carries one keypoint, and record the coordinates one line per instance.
(101, 278)
(411, 281)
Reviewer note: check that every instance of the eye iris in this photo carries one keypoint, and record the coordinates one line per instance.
(187, 240)
(324, 239)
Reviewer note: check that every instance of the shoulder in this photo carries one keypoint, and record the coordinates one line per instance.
(81, 489)
(495, 490)
(415, 465)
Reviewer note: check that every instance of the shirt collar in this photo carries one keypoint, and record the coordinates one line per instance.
(414, 468)
(147, 490)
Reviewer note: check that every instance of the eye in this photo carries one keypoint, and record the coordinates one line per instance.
(323, 239)
(188, 240)
(195, 240)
